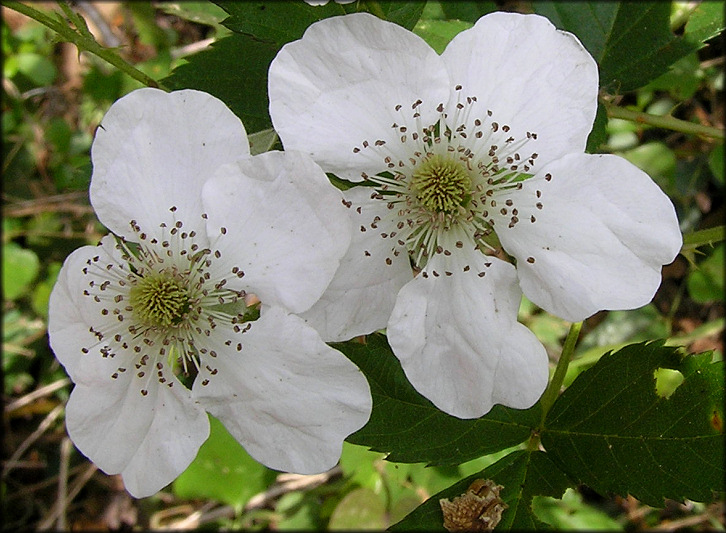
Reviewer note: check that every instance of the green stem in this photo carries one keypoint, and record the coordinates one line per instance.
(553, 390)
(83, 42)
(666, 122)
(702, 237)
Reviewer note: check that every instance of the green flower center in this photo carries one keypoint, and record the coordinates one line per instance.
(159, 300)
(441, 184)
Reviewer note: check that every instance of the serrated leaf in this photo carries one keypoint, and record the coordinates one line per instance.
(223, 471)
(592, 22)
(282, 22)
(522, 475)
(234, 69)
(412, 430)
(632, 41)
(611, 431)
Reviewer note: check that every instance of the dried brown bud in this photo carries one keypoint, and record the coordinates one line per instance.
(478, 509)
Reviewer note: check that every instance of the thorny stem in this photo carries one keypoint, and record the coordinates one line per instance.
(702, 237)
(666, 122)
(83, 39)
(553, 389)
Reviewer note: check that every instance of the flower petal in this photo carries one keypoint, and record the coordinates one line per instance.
(285, 226)
(339, 85)
(289, 399)
(532, 77)
(154, 150)
(363, 291)
(149, 439)
(599, 241)
(459, 341)
(71, 315)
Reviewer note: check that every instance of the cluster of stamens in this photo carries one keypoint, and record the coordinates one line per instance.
(447, 185)
(165, 304)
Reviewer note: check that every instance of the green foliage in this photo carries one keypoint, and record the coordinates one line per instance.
(20, 267)
(632, 41)
(522, 475)
(223, 471)
(260, 29)
(412, 430)
(611, 431)
(706, 283)
(572, 513)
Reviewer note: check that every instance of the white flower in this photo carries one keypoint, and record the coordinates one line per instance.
(463, 154)
(201, 227)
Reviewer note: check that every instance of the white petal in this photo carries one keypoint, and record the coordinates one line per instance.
(604, 231)
(286, 226)
(149, 439)
(459, 341)
(362, 294)
(288, 398)
(154, 150)
(339, 85)
(71, 315)
(532, 77)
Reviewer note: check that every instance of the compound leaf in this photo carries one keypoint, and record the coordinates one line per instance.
(615, 430)
(411, 429)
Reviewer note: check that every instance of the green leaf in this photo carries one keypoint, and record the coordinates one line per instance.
(716, 164)
(632, 41)
(599, 135)
(223, 471)
(522, 475)
(408, 427)
(572, 513)
(438, 33)
(262, 141)
(613, 432)
(20, 267)
(234, 69)
(592, 22)
(468, 11)
(200, 12)
(359, 509)
(706, 283)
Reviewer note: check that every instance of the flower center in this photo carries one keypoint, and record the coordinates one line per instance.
(450, 184)
(441, 184)
(159, 300)
(164, 306)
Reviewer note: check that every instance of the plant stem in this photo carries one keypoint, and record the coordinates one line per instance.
(83, 42)
(702, 237)
(666, 122)
(553, 390)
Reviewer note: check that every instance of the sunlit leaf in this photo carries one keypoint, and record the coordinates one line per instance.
(359, 509)
(571, 512)
(613, 432)
(223, 471)
(20, 267)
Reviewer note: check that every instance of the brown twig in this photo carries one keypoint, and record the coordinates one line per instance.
(11, 463)
(38, 393)
(78, 484)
